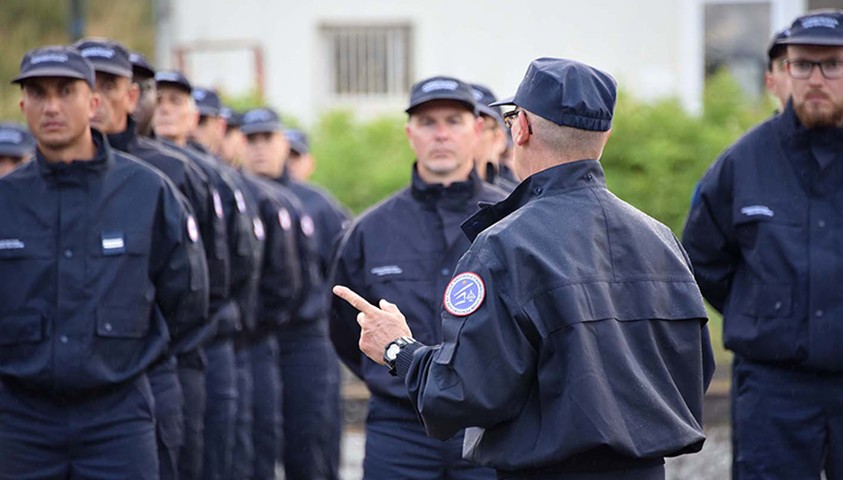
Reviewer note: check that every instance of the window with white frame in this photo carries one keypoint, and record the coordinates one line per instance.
(368, 61)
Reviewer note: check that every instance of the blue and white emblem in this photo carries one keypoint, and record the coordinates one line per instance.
(464, 294)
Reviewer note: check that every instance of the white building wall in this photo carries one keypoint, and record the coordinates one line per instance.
(653, 47)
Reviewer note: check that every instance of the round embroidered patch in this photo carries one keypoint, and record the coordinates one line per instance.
(192, 229)
(464, 294)
(258, 226)
(240, 201)
(284, 219)
(218, 204)
(307, 227)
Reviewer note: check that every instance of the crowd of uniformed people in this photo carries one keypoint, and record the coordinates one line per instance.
(167, 269)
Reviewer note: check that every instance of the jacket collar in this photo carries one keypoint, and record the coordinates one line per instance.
(103, 160)
(825, 144)
(548, 182)
(433, 193)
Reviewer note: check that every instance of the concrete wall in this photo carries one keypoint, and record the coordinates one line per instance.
(653, 47)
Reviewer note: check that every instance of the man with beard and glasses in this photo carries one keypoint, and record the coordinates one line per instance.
(764, 236)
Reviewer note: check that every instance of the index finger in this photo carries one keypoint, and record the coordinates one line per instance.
(354, 299)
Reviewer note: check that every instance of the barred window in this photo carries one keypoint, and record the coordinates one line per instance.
(369, 60)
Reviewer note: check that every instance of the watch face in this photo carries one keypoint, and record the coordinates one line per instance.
(392, 352)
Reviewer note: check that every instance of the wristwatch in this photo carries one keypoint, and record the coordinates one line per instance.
(392, 349)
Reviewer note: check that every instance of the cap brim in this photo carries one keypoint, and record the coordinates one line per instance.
(489, 111)
(298, 147)
(208, 111)
(441, 96)
(15, 150)
(812, 40)
(504, 101)
(111, 68)
(178, 85)
(50, 72)
(142, 72)
(265, 127)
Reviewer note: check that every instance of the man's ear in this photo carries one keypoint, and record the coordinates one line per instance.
(134, 96)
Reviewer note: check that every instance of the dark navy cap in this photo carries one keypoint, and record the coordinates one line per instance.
(141, 68)
(298, 141)
(56, 61)
(441, 88)
(232, 118)
(484, 97)
(260, 120)
(106, 56)
(15, 140)
(207, 101)
(777, 48)
(567, 93)
(818, 27)
(174, 79)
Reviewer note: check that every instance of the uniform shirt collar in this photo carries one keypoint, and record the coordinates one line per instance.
(548, 182)
(433, 193)
(103, 159)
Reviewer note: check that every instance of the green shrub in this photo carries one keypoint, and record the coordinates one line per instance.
(655, 156)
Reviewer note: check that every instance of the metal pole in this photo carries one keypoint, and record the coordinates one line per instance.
(77, 19)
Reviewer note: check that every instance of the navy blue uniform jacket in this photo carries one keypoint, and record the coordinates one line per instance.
(765, 235)
(591, 339)
(103, 266)
(322, 221)
(404, 250)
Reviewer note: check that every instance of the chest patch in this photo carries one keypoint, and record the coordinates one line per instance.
(464, 294)
(755, 210)
(11, 244)
(387, 270)
(113, 243)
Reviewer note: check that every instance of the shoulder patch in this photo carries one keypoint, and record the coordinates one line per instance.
(192, 229)
(241, 202)
(307, 227)
(284, 219)
(464, 294)
(218, 205)
(257, 224)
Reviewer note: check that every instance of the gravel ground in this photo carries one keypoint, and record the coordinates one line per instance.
(712, 463)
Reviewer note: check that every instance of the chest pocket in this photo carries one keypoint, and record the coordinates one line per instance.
(391, 271)
(26, 268)
(119, 268)
(762, 220)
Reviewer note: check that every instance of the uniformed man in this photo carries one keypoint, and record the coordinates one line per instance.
(575, 340)
(492, 141)
(300, 163)
(764, 235)
(233, 145)
(104, 268)
(406, 249)
(118, 99)
(143, 74)
(776, 78)
(308, 367)
(176, 118)
(16, 146)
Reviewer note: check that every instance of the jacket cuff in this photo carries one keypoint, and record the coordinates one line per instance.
(405, 359)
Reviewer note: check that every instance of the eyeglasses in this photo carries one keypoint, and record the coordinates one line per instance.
(510, 117)
(802, 69)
